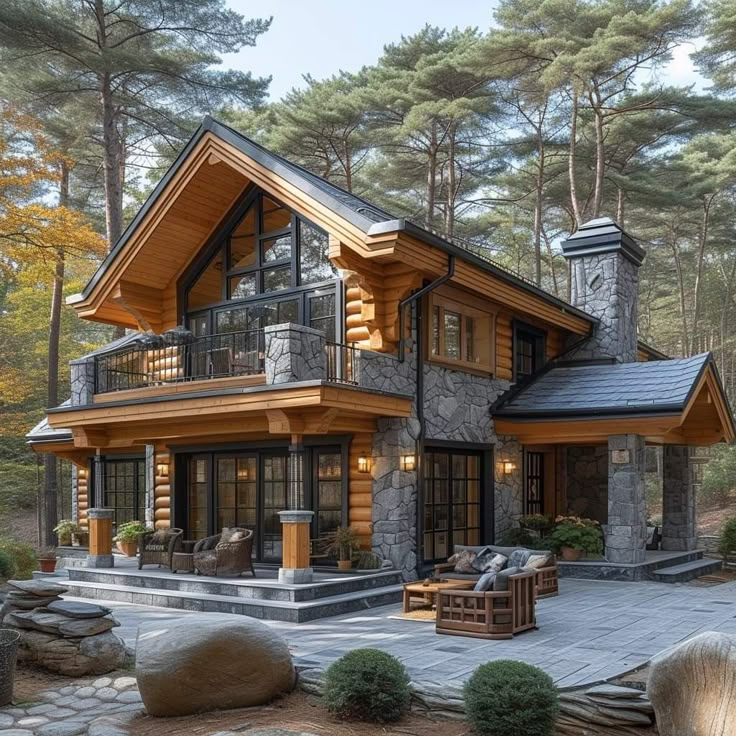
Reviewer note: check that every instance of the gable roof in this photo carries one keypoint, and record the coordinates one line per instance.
(369, 219)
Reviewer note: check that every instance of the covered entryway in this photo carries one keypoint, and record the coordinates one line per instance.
(601, 417)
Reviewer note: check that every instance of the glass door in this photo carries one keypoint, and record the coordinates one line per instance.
(273, 500)
(198, 496)
(327, 496)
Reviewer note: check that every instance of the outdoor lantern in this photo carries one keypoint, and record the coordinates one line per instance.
(508, 467)
(364, 464)
(162, 470)
(408, 463)
(243, 474)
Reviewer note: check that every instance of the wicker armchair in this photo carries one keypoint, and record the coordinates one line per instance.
(157, 547)
(222, 555)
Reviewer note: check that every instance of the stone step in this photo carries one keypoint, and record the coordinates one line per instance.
(688, 571)
(243, 587)
(273, 610)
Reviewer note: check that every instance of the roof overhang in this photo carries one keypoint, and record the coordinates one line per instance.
(704, 420)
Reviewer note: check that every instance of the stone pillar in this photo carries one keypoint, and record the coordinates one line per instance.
(626, 531)
(295, 526)
(82, 381)
(294, 353)
(100, 538)
(678, 500)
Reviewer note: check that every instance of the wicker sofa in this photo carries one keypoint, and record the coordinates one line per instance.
(546, 577)
(493, 614)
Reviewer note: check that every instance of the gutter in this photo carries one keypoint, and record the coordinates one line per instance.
(419, 351)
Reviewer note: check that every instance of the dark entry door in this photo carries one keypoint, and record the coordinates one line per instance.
(534, 482)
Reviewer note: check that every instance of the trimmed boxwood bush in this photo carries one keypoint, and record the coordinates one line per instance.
(7, 566)
(367, 685)
(509, 698)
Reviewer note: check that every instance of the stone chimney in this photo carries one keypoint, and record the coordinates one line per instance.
(604, 273)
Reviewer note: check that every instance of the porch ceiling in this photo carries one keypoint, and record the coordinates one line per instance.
(230, 414)
(679, 402)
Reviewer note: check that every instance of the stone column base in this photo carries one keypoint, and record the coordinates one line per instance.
(295, 555)
(296, 576)
(100, 561)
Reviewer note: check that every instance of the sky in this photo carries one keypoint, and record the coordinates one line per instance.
(320, 37)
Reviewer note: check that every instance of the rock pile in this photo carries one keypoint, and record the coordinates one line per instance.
(73, 639)
(603, 710)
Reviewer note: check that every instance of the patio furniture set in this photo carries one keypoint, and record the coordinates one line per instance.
(488, 592)
(227, 553)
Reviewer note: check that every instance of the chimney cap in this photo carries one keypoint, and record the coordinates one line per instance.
(602, 235)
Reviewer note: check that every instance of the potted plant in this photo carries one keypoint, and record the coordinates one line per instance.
(344, 542)
(127, 537)
(47, 559)
(576, 536)
(540, 523)
(64, 530)
(80, 537)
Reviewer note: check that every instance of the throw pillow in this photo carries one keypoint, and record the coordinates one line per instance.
(485, 582)
(482, 559)
(502, 578)
(226, 534)
(237, 536)
(519, 557)
(464, 561)
(535, 562)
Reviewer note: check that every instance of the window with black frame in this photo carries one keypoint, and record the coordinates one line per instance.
(265, 264)
(528, 351)
(124, 489)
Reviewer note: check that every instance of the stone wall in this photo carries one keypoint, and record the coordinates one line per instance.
(679, 531)
(586, 471)
(456, 409)
(82, 381)
(606, 285)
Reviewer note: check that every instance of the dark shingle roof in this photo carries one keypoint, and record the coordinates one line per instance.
(655, 386)
(44, 432)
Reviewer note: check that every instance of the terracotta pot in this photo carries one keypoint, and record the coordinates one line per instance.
(344, 564)
(129, 549)
(48, 565)
(571, 555)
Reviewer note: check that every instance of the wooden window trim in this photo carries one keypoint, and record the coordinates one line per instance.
(458, 305)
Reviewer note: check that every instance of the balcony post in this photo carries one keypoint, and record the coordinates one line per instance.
(100, 538)
(294, 353)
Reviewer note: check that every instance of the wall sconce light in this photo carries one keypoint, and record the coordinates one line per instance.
(162, 470)
(364, 464)
(243, 474)
(507, 467)
(408, 463)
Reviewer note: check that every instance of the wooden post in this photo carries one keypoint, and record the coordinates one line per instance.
(100, 538)
(295, 561)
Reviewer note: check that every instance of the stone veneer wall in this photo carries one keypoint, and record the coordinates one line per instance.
(606, 286)
(456, 409)
(586, 471)
(82, 381)
(294, 353)
(679, 532)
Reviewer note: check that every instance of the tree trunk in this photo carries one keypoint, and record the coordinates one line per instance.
(620, 206)
(538, 207)
(551, 259)
(707, 202)
(431, 176)
(683, 301)
(348, 169)
(51, 485)
(451, 185)
(571, 161)
(600, 163)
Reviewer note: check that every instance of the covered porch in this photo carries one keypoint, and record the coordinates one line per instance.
(585, 429)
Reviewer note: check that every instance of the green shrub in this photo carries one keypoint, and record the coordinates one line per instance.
(509, 698)
(517, 537)
(367, 685)
(7, 566)
(727, 543)
(578, 533)
(18, 487)
(23, 556)
(363, 560)
(719, 477)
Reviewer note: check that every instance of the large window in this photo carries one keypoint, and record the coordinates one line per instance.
(452, 502)
(461, 334)
(124, 489)
(529, 351)
(270, 250)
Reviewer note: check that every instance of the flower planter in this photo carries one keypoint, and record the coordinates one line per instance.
(47, 565)
(571, 555)
(344, 564)
(65, 540)
(129, 549)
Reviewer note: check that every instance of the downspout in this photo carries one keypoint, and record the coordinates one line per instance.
(419, 352)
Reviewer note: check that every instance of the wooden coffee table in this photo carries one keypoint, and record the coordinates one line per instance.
(428, 591)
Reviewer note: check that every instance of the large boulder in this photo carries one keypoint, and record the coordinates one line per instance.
(693, 687)
(210, 662)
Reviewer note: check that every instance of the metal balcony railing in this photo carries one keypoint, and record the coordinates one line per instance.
(343, 365)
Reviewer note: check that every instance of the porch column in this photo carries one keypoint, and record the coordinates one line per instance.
(295, 522)
(100, 538)
(626, 531)
(678, 500)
